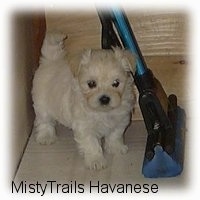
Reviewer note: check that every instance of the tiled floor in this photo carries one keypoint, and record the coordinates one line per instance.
(61, 162)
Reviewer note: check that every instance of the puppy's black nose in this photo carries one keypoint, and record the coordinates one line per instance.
(104, 100)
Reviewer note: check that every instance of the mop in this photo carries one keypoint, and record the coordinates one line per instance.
(164, 119)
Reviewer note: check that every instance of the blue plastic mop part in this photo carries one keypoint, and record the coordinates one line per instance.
(163, 164)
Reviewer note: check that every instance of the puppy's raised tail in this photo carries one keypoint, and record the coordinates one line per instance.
(53, 47)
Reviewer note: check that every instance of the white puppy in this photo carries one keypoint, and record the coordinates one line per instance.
(95, 103)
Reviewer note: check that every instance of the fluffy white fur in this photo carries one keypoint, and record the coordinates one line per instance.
(76, 100)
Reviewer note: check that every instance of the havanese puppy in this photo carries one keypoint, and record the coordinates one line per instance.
(95, 102)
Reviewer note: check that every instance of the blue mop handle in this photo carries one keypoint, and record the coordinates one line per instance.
(129, 40)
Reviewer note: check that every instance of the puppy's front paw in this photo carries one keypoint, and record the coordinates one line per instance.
(45, 139)
(95, 162)
(46, 135)
(116, 148)
(123, 149)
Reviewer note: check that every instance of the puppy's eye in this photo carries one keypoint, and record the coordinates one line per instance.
(92, 84)
(116, 83)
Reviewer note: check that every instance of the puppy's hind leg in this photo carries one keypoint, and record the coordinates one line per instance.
(45, 131)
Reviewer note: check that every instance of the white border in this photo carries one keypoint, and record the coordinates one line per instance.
(193, 8)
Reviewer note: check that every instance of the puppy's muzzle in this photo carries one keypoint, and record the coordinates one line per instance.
(104, 100)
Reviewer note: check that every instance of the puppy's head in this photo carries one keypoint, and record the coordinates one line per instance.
(103, 76)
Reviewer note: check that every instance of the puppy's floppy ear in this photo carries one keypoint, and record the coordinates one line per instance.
(127, 59)
(79, 60)
(85, 57)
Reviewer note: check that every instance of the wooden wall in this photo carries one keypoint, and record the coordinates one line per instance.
(27, 36)
(158, 33)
